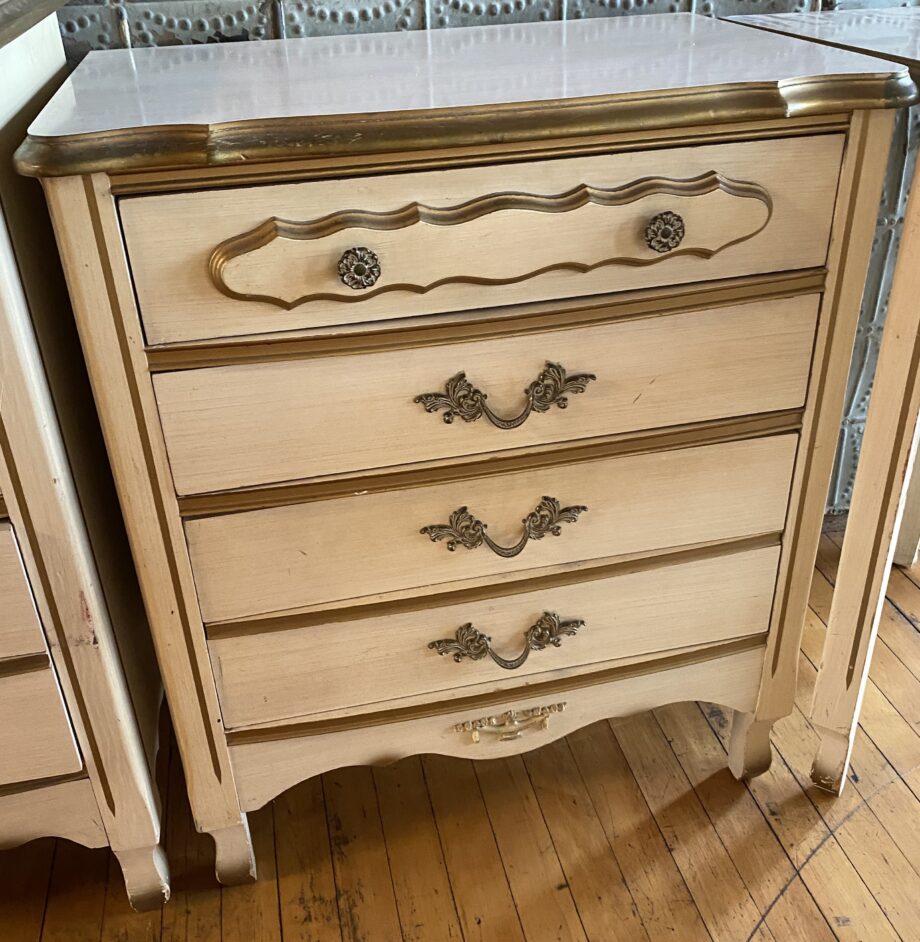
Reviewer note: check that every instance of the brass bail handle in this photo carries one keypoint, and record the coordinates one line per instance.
(470, 642)
(462, 399)
(463, 529)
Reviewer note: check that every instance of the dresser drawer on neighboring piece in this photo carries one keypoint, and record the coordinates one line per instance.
(36, 740)
(362, 545)
(251, 424)
(20, 629)
(260, 259)
(640, 610)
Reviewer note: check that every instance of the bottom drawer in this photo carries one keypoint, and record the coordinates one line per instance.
(36, 740)
(263, 768)
(628, 611)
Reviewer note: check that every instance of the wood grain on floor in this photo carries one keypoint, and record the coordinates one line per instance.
(630, 830)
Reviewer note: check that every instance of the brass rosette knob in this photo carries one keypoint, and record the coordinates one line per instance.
(665, 232)
(359, 268)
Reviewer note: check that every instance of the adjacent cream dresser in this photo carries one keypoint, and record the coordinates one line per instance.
(467, 387)
(79, 691)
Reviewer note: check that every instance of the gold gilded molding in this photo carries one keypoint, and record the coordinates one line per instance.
(552, 314)
(234, 143)
(527, 582)
(297, 169)
(415, 213)
(261, 497)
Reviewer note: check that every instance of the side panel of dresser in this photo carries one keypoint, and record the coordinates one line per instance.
(851, 240)
(86, 225)
(40, 496)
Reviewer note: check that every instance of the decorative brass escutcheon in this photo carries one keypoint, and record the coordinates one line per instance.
(461, 398)
(470, 642)
(665, 232)
(463, 529)
(359, 268)
(511, 724)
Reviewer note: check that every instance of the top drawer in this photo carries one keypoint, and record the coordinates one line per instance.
(254, 260)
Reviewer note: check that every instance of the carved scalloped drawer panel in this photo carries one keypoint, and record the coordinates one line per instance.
(280, 257)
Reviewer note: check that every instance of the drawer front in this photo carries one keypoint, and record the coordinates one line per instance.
(307, 418)
(260, 259)
(362, 545)
(20, 629)
(497, 642)
(495, 726)
(36, 740)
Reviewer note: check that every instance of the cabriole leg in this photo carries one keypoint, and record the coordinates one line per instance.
(749, 751)
(146, 874)
(829, 770)
(235, 861)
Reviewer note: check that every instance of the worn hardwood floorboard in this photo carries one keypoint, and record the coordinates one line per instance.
(628, 830)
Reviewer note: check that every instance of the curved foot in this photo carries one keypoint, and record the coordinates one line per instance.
(749, 752)
(146, 874)
(235, 861)
(829, 770)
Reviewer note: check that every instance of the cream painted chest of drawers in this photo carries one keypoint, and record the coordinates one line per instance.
(466, 388)
(79, 693)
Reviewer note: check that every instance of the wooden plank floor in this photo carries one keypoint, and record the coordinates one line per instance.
(625, 831)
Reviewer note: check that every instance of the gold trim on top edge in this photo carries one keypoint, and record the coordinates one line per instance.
(240, 142)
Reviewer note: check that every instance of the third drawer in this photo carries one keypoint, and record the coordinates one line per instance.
(366, 545)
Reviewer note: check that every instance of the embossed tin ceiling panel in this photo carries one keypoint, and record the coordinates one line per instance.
(87, 25)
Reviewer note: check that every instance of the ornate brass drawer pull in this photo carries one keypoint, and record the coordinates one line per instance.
(510, 725)
(472, 643)
(461, 398)
(359, 268)
(463, 529)
(665, 232)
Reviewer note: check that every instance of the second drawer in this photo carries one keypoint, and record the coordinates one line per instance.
(250, 424)
(358, 546)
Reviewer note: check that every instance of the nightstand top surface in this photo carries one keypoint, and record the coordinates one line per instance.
(629, 72)
(892, 33)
